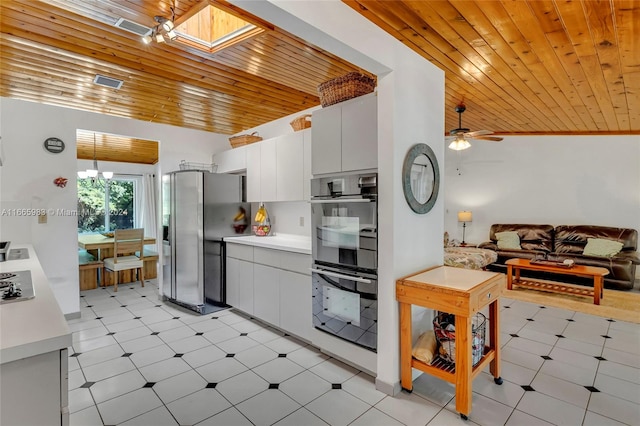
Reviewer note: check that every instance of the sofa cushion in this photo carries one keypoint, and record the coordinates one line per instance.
(573, 238)
(532, 236)
(508, 240)
(602, 247)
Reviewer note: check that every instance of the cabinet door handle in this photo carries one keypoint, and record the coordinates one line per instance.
(342, 200)
(336, 275)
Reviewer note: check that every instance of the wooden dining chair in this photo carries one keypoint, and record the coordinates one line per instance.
(126, 243)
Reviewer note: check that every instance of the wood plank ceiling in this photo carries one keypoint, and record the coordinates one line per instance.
(534, 66)
(521, 67)
(52, 50)
(107, 147)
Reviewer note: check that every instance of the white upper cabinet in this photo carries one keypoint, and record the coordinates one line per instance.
(306, 165)
(326, 151)
(289, 173)
(275, 168)
(231, 160)
(268, 170)
(253, 172)
(278, 169)
(345, 136)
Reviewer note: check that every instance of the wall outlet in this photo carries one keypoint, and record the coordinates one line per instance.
(301, 220)
(42, 218)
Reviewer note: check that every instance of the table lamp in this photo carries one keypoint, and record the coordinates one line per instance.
(464, 217)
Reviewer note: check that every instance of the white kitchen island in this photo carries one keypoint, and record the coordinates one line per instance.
(34, 337)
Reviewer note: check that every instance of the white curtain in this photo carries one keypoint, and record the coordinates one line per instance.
(149, 206)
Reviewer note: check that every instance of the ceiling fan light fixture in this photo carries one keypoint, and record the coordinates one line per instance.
(459, 144)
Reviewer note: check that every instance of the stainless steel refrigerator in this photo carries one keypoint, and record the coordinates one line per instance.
(200, 209)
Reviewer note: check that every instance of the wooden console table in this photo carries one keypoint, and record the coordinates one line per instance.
(461, 292)
(515, 265)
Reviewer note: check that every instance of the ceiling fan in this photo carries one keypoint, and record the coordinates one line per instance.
(459, 136)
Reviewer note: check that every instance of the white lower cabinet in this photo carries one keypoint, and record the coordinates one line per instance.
(239, 291)
(275, 286)
(266, 289)
(295, 303)
(245, 287)
(233, 280)
(34, 390)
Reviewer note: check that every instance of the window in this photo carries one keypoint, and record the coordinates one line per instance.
(119, 194)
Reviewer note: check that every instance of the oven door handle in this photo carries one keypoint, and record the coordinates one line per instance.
(343, 200)
(336, 275)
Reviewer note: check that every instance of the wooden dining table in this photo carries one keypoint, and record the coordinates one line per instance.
(102, 247)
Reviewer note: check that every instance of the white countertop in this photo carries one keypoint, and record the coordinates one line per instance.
(31, 327)
(287, 242)
(454, 278)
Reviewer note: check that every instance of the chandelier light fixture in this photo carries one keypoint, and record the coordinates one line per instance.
(164, 31)
(93, 172)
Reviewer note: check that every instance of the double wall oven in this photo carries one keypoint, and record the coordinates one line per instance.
(344, 217)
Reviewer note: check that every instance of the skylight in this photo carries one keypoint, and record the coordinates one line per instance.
(213, 29)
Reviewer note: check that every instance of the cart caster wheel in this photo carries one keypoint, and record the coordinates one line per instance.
(497, 380)
(464, 416)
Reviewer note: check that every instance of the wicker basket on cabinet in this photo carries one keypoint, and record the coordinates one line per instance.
(240, 140)
(345, 87)
(301, 123)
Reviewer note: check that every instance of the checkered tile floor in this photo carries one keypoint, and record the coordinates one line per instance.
(139, 361)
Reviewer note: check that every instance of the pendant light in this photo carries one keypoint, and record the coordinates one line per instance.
(93, 172)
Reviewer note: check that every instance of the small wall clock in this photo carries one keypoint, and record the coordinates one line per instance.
(54, 145)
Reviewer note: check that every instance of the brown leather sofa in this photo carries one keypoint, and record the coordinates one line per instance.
(568, 242)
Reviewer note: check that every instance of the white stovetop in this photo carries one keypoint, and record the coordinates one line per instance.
(35, 326)
(287, 242)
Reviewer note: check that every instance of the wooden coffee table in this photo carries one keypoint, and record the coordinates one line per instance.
(515, 265)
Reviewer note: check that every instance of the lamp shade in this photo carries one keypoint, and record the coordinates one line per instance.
(107, 175)
(464, 216)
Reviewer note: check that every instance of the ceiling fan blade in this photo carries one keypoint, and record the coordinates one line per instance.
(489, 138)
(478, 133)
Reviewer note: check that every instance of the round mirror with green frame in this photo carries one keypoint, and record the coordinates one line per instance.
(420, 178)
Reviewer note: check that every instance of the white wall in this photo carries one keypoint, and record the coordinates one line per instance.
(277, 127)
(410, 110)
(288, 215)
(556, 180)
(26, 177)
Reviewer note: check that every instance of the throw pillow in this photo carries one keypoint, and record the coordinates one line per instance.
(508, 240)
(602, 247)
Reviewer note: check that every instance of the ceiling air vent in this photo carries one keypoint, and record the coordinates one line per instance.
(112, 83)
(133, 27)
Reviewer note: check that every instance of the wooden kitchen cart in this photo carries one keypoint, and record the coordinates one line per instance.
(462, 292)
